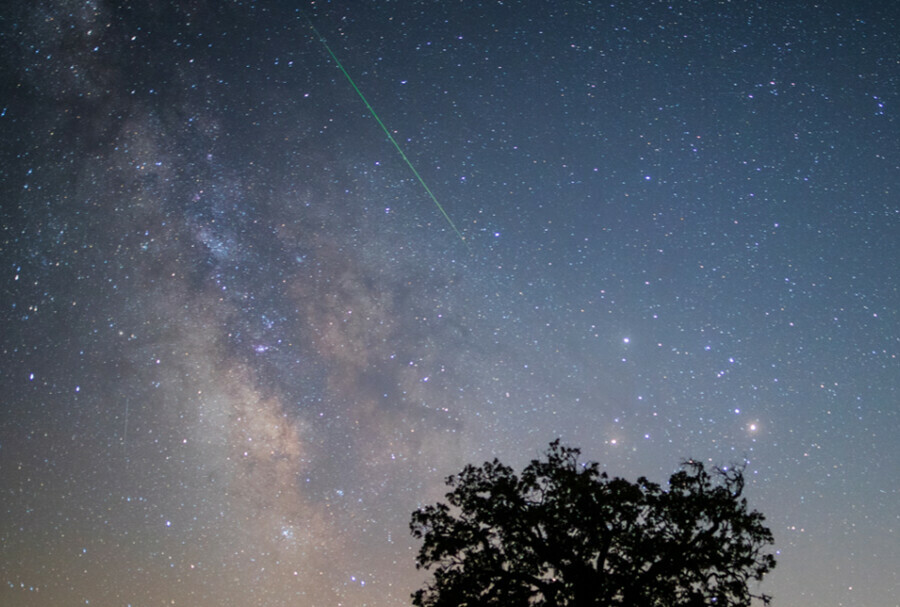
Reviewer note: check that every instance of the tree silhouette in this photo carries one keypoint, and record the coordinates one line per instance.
(564, 534)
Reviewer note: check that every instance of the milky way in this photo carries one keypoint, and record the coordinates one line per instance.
(240, 345)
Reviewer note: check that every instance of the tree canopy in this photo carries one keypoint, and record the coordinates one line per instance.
(562, 533)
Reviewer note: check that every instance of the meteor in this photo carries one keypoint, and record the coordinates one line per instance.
(386, 131)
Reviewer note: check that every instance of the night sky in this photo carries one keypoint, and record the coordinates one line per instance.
(240, 344)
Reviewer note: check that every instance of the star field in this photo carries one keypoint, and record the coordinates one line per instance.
(240, 344)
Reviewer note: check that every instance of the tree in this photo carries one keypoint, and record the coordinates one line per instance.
(564, 534)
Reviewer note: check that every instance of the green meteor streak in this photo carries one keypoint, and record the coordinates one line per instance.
(386, 131)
